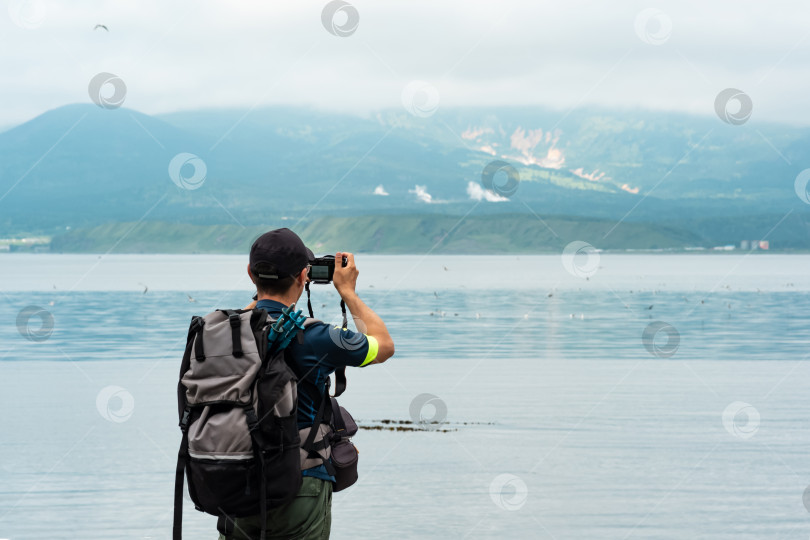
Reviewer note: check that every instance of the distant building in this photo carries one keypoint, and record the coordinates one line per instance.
(764, 244)
(744, 245)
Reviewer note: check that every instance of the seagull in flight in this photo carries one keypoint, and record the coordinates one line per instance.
(190, 299)
(101, 26)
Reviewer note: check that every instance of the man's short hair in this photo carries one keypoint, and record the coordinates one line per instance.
(276, 258)
(275, 286)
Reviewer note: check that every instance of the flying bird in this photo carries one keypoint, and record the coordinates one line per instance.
(145, 288)
(190, 299)
(101, 26)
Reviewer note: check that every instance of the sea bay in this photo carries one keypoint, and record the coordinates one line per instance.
(561, 420)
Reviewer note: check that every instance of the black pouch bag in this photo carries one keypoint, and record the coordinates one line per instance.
(344, 453)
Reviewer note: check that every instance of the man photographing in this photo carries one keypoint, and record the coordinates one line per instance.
(279, 267)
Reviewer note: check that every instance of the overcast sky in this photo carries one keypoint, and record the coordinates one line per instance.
(176, 55)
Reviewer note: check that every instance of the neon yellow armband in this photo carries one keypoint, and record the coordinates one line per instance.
(373, 347)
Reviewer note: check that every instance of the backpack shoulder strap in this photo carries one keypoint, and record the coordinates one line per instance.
(309, 321)
(182, 464)
(340, 381)
(324, 415)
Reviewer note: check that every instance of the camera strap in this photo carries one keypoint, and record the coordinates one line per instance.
(309, 301)
(340, 374)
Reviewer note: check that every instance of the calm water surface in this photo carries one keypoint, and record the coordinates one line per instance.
(562, 423)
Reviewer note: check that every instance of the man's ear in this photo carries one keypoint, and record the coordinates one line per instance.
(250, 274)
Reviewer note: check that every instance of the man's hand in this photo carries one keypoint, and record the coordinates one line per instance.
(345, 281)
(345, 277)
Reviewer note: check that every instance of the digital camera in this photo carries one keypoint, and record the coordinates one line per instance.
(322, 269)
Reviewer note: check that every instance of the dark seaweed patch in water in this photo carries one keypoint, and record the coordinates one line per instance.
(409, 425)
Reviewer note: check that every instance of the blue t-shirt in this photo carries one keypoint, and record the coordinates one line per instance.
(325, 349)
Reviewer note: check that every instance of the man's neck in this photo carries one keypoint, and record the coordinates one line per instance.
(286, 300)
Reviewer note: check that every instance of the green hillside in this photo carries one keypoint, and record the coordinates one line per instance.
(511, 233)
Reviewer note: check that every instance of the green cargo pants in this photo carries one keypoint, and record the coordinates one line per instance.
(307, 517)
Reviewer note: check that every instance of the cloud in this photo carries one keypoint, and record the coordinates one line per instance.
(628, 189)
(380, 190)
(488, 149)
(477, 192)
(473, 133)
(422, 194)
(216, 56)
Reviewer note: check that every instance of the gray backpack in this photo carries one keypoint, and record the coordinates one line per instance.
(238, 405)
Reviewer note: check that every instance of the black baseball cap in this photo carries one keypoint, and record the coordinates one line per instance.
(278, 254)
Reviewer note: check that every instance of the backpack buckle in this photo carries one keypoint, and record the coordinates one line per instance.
(234, 320)
(197, 323)
(184, 420)
(251, 418)
(236, 336)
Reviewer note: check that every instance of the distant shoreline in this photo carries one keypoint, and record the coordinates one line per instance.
(509, 234)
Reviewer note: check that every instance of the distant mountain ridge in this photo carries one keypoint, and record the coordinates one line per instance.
(80, 166)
